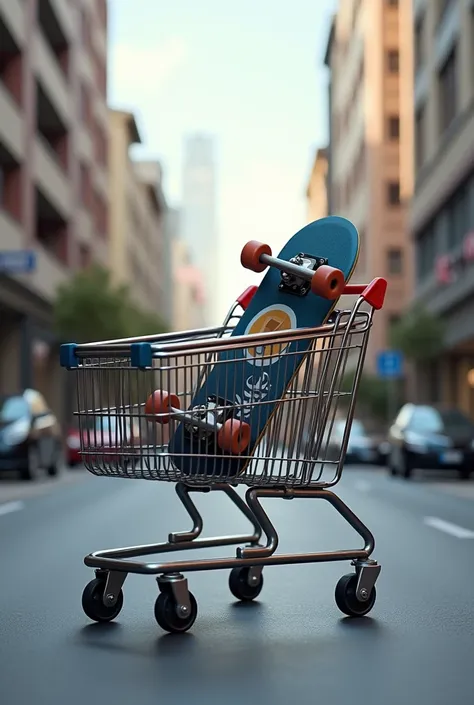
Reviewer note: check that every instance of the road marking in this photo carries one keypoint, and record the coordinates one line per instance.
(453, 529)
(362, 486)
(10, 507)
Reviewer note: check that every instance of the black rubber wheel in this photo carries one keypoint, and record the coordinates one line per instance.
(32, 468)
(94, 607)
(346, 598)
(167, 616)
(465, 474)
(54, 469)
(406, 465)
(239, 587)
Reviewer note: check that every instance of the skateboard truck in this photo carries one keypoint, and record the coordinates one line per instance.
(321, 278)
(294, 283)
(233, 435)
(299, 275)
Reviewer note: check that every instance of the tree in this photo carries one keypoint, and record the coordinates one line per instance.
(419, 335)
(373, 395)
(90, 307)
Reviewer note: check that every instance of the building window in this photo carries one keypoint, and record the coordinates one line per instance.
(393, 127)
(448, 93)
(393, 61)
(419, 138)
(395, 260)
(393, 193)
(426, 252)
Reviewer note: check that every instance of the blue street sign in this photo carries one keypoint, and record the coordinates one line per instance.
(17, 261)
(389, 363)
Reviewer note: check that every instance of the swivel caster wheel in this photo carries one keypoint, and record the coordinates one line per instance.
(169, 617)
(347, 600)
(93, 605)
(239, 584)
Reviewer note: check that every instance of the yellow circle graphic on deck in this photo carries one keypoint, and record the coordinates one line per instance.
(270, 319)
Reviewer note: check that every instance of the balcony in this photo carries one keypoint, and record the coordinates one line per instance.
(49, 275)
(51, 179)
(85, 231)
(11, 233)
(84, 145)
(11, 125)
(14, 17)
(56, 17)
(100, 181)
(49, 272)
(52, 78)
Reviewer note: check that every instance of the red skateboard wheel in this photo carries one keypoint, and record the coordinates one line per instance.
(251, 253)
(328, 282)
(234, 436)
(160, 403)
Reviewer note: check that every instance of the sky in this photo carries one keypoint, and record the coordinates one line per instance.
(250, 73)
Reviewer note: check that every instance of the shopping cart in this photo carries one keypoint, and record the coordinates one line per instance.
(296, 457)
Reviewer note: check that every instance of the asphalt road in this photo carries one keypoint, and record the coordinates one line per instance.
(293, 645)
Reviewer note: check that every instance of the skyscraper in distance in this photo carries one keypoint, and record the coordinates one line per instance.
(199, 213)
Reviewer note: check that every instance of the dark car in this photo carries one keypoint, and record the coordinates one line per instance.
(428, 437)
(30, 436)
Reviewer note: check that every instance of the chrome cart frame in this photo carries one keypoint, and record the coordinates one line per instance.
(310, 405)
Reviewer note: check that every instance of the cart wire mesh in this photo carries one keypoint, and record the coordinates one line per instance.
(297, 447)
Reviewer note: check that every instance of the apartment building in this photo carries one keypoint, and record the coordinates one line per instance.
(136, 218)
(316, 191)
(53, 173)
(442, 214)
(369, 56)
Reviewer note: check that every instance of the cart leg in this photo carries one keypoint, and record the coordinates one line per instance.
(183, 491)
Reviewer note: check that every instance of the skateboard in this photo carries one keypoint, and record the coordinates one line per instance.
(300, 290)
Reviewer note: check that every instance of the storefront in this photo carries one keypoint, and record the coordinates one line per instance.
(28, 346)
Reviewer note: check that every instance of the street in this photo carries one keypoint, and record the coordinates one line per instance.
(293, 644)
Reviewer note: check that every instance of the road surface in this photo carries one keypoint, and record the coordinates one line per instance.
(293, 645)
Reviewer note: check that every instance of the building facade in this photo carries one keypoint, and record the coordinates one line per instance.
(199, 227)
(136, 219)
(53, 173)
(188, 299)
(442, 215)
(369, 57)
(317, 190)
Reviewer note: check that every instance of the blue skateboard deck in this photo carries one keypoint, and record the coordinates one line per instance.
(257, 377)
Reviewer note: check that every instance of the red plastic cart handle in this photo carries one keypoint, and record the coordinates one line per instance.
(246, 296)
(373, 293)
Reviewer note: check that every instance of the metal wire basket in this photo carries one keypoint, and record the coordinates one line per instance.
(121, 438)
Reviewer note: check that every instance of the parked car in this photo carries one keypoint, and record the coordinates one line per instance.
(30, 435)
(110, 436)
(361, 448)
(431, 437)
